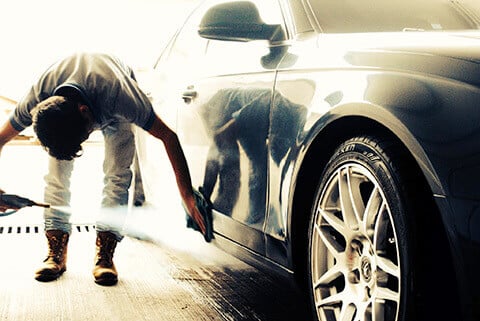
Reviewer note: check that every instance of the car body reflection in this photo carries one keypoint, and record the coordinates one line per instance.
(238, 121)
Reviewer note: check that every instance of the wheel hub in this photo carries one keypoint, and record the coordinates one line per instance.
(360, 262)
(366, 269)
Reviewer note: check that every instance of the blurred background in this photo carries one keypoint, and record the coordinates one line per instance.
(34, 34)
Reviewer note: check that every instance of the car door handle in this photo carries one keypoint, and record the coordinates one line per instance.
(189, 95)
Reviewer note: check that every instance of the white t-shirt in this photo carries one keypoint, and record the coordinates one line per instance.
(106, 85)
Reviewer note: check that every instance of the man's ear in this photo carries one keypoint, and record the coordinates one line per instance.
(85, 112)
(83, 108)
(87, 116)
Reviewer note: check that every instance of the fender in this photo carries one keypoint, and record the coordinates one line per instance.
(419, 110)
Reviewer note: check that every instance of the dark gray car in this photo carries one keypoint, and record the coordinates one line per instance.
(339, 144)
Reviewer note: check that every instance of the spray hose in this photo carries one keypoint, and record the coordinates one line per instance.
(18, 202)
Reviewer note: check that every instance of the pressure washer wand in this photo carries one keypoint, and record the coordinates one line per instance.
(20, 202)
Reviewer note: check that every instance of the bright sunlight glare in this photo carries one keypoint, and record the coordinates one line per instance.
(36, 33)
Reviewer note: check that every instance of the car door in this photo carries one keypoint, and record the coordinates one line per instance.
(224, 124)
(178, 63)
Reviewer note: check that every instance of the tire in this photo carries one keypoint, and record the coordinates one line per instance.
(360, 258)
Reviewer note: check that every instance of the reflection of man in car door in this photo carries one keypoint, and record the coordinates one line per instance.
(239, 119)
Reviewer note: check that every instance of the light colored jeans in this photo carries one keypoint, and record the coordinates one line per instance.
(119, 145)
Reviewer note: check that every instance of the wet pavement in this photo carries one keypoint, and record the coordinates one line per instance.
(174, 275)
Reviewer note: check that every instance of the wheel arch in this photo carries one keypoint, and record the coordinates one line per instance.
(306, 183)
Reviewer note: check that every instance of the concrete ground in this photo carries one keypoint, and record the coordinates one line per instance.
(174, 275)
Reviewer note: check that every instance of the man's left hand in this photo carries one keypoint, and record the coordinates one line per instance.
(5, 207)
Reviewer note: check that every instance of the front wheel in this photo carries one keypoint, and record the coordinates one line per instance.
(360, 238)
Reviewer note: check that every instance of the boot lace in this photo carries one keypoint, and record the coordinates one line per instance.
(106, 248)
(56, 247)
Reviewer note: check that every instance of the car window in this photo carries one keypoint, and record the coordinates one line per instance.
(301, 22)
(347, 16)
(186, 50)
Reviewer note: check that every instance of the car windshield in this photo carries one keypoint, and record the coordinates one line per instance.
(347, 16)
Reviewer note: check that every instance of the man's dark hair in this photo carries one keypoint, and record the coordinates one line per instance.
(60, 127)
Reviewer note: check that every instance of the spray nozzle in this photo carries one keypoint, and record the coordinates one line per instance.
(18, 201)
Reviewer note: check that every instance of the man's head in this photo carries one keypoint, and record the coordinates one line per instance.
(62, 125)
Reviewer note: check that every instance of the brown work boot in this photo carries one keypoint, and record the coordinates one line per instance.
(56, 262)
(104, 271)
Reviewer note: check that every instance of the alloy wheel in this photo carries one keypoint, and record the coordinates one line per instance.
(354, 253)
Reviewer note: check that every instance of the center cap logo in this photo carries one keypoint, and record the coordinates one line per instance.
(366, 268)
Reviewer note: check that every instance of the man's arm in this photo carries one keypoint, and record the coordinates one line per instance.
(7, 133)
(179, 164)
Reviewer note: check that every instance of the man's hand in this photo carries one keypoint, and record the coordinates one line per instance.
(5, 207)
(195, 214)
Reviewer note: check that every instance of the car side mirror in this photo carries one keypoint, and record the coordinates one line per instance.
(237, 21)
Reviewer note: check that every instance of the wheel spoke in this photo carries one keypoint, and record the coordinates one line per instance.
(380, 231)
(332, 246)
(331, 300)
(333, 220)
(378, 313)
(355, 179)
(346, 201)
(383, 293)
(388, 266)
(329, 276)
(374, 205)
(364, 312)
(347, 313)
